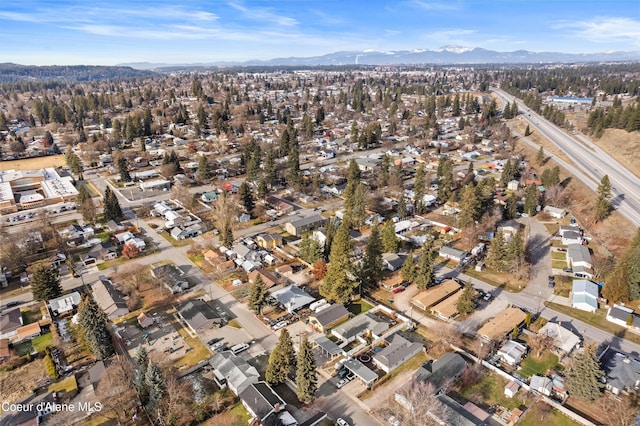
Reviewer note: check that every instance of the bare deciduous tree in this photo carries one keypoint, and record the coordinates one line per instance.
(116, 390)
(422, 406)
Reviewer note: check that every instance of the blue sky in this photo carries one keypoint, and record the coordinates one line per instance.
(70, 32)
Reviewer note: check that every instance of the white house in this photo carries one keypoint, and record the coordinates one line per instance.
(555, 212)
(452, 253)
(512, 352)
(584, 295)
(541, 384)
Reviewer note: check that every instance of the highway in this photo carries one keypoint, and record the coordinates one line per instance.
(591, 160)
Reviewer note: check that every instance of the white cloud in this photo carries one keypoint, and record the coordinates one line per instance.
(263, 14)
(604, 29)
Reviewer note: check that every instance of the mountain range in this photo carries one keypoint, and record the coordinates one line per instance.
(448, 55)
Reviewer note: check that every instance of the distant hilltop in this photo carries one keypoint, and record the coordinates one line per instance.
(447, 55)
(10, 72)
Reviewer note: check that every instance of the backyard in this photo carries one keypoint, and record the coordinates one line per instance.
(359, 307)
(37, 344)
(538, 366)
(497, 279)
(490, 391)
(542, 413)
(197, 352)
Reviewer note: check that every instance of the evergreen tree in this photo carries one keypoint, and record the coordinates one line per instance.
(270, 169)
(123, 169)
(204, 170)
(93, 323)
(295, 176)
(306, 375)
(511, 208)
(142, 363)
(540, 156)
(390, 241)
(445, 179)
(246, 197)
(467, 302)
(329, 232)
(257, 295)
(530, 199)
(263, 189)
(45, 284)
(496, 258)
(603, 203)
(469, 207)
(112, 209)
(426, 273)
(338, 284)
(281, 359)
(355, 207)
(154, 381)
(408, 270)
(527, 131)
(371, 268)
(310, 249)
(419, 189)
(584, 377)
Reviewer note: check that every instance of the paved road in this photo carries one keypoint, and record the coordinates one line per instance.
(593, 161)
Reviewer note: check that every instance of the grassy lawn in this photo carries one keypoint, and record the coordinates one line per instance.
(23, 348)
(532, 365)
(198, 260)
(239, 411)
(234, 323)
(597, 319)
(104, 236)
(359, 307)
(557, 243)
(68, 385)
(558, 255)
(498, 279)
(490, 391)
(39, 343)
(541, 413)
(558, 264)
(98, 420)
(198, 352)
(552, 228)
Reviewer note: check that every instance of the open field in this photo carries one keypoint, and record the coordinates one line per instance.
(623, 146)
(18, 383)
(34, 163)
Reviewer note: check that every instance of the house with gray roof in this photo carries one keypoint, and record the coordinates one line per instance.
(305, 224)
(64, 304)
(452, 253)
(359, 326)
(261, 400)
(293, 298)
(110, 300)
(440, 371)
(198, 315)
(328, 317)
(399, 351)
(622, 372)
(171, 277)
(579, 259)
(231, 371)
(363, 372)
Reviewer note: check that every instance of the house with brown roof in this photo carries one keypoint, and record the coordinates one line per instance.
(269, 241)
(213, 257)
(268, 278)
(498, 327)
(28, 331)
(436, 294)
(448, 308)
(5, 351)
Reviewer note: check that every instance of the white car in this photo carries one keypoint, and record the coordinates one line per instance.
(342, 422)
(342, 382)
(393, 420)
(279, 325)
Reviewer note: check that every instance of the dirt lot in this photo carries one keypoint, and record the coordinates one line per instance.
(34, 163)
(20, 382)
(623, 146)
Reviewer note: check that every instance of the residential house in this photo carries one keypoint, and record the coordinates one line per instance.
(64, 304)
(509, 228)
(564, 339)
(367, 164)
(579, 259)
(96, 372)
(452, 253)
(102, 252)
(621, 315)
(198, 315)
(399, 351)
(571, 237)
(541, 384)
(512, 352)
(584, 295)
(448, 308)
(570, 228)
(261, 401)
(303, 225)
(144, 320)
(555, 212)
(512, 185)
(114, 226)
(10, 321)
(293, 298)
(441, 371)
(328, 347)
(267, 277)
(428, 298)
(209, 197)
(327, 318)
(127, 237)
(269, 241)
(171, 277)
(392, 261)
(192, 231)
(498, 327)
(110, 300)
(362, 324)
(28, 331)
(622, 373)
(5, 350)
(231, 371)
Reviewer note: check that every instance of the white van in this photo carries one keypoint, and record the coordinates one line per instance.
(239, 348)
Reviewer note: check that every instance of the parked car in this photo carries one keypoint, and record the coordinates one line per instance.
(393, 420)
(569, 270)
(487, 296)
(342, 382)
(351, 375)
(214, 341)
(398, 290)
(218, 346)
(342, 422)
(343, 373)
